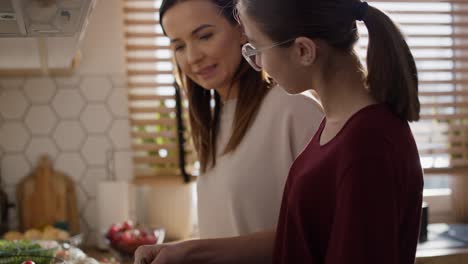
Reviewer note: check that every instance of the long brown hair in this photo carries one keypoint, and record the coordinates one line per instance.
(392, 75)
(205, 117)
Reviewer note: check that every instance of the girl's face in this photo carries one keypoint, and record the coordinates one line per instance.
(281, 63)
(206, 46)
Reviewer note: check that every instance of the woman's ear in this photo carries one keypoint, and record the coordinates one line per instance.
(243, 37)
(305, 51)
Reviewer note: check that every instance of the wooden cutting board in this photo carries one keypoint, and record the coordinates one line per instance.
(47, 197)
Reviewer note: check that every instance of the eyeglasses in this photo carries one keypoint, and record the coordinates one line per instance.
(252, 54)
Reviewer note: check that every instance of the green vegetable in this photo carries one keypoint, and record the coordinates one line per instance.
(18, 251)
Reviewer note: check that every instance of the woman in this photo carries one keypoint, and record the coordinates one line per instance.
(247, 141)
(354, 194)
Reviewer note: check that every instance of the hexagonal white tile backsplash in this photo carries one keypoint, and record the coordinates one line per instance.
(13, 136)
(16, 167)
(89, 180)
(72, 164)
(69, 135)
(118, 102)
(68, 82)
(68, 103)
(119, 134)
(96, 118)
(13, 104)
(40, 146)
(96, 88)
(40, 90)
(79, 121)
(95, 150)
(12, 82)
(40, 120)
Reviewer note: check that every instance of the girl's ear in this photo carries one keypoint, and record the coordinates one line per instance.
(305, 51)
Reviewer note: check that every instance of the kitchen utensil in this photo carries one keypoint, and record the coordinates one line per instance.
(47, 197)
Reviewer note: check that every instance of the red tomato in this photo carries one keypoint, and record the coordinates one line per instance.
(115, 228)
(127, 237)
(150, 239)
(127, 225)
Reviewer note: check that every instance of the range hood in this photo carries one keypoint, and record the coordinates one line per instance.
(41, 34)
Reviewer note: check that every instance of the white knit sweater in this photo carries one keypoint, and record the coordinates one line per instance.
(242, 193)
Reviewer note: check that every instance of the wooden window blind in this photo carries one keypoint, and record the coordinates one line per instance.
(152, 97)
(437, 33)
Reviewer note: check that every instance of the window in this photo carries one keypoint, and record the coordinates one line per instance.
(437, 33)
(151, 93)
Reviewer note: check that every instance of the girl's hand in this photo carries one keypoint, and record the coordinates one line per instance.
(160, 254)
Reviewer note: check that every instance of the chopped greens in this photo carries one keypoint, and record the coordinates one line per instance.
(22, 250)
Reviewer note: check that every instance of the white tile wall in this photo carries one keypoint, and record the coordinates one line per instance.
(69, 135)
(88, 87)
(119, 134)
(13, 104)
(123, 165)
(39, 146)
(13, 136)
(12, 82)
(67, 82)
(40, 90)
(40, 119)
(16, 166)
(72, 164)
(95, 149)
(96, 118)
(89, 180)
(68, 103)
(118, 102)
(78, 121)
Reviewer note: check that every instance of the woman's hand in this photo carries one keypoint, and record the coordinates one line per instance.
(160, 254)
(249, 249)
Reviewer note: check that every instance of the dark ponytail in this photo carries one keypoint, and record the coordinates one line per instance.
(392, 74)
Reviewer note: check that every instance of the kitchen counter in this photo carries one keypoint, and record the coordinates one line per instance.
(447, 244)
(101, 254)
(439, 249)
(442, 256)
(433, 256)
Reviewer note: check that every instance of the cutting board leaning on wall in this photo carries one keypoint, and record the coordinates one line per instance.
(47, 197)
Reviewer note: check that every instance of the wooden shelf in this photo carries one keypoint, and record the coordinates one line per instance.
(32, 72)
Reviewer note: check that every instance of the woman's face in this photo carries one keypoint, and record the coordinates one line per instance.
(206, 46)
